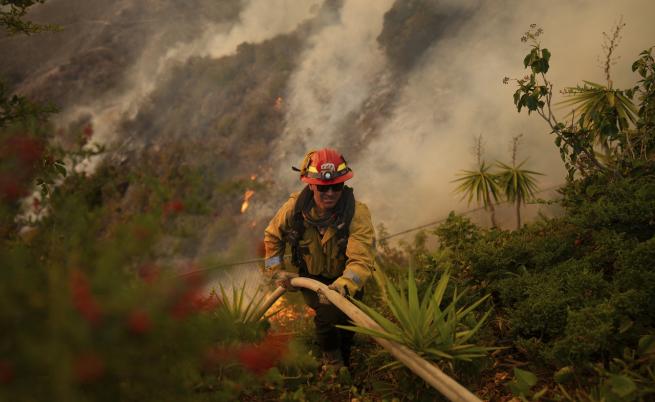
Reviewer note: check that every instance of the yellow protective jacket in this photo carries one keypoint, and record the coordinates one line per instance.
(323, 257)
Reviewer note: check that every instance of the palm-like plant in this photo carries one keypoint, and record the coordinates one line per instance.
(423, 325)
(518, 185)
(607, 112)
(481, 184)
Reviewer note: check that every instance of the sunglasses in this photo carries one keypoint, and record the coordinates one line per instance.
(334, 187)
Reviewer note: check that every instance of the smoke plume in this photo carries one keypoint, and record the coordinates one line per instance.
(456, 93)
(339, 69)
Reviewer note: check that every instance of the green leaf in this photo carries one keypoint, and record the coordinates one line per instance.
(621, 385)
(527, 60)
(372, 332)
(412, 295)
(545, 53)
(61, 169)
(539, 394)
(439, 353)
(646, 345)
(525, 377)
(387, 325)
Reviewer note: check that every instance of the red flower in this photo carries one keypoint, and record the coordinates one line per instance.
(28, 150)
(259, 358)
(217, 355)
(88, 132)
(149, 272)
(83, 300)
(6, 372)
(142, 232)
(193, 301)
(185, 304)
(10, 188)
(139, 322)
(173, 207)
(193, 276)
(88, 367)
(193, 296)
(209, 303)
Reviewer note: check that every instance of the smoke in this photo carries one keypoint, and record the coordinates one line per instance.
(413, 150)
(259, 20)
(339, 68)
(456, 93)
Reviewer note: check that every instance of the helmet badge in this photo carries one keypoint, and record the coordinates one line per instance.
(327, 170)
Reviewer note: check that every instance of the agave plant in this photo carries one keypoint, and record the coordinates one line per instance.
(239, 307)
(243, 310)
(422, 325)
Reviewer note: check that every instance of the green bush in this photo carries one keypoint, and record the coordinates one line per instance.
(572, 289)
(591, 333)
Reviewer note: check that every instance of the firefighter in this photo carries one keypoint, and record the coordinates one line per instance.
(331, 238)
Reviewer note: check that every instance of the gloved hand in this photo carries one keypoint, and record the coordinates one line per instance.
(283, 279)
(344, 286)
(337, 287)
(341, 289)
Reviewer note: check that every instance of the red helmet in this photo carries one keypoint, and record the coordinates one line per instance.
(325, 166)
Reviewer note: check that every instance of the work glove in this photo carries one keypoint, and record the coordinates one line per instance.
(283, 279)
(342, 286)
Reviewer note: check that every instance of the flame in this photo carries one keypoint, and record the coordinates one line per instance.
(253, 177)
(278, 103)
(288, 315)
(246, 197)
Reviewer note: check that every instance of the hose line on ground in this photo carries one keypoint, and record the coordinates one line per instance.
(448, 387)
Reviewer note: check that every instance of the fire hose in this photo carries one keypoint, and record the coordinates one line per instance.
(448, 387)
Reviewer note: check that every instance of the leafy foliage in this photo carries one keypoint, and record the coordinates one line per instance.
(571, 289)
(601, 114)
(12, 16)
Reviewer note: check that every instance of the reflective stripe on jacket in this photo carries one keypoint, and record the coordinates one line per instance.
(322, 252)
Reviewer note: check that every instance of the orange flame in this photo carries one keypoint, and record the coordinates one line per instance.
(246, 197)
(279, 102)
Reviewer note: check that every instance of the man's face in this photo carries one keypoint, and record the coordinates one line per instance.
(326, 197)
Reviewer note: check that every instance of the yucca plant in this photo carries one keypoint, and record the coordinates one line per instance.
(606, 111)
(481, 184)
(601, 109)
(517, 184)
(239, 306)
(243, 310)
(436, 332)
